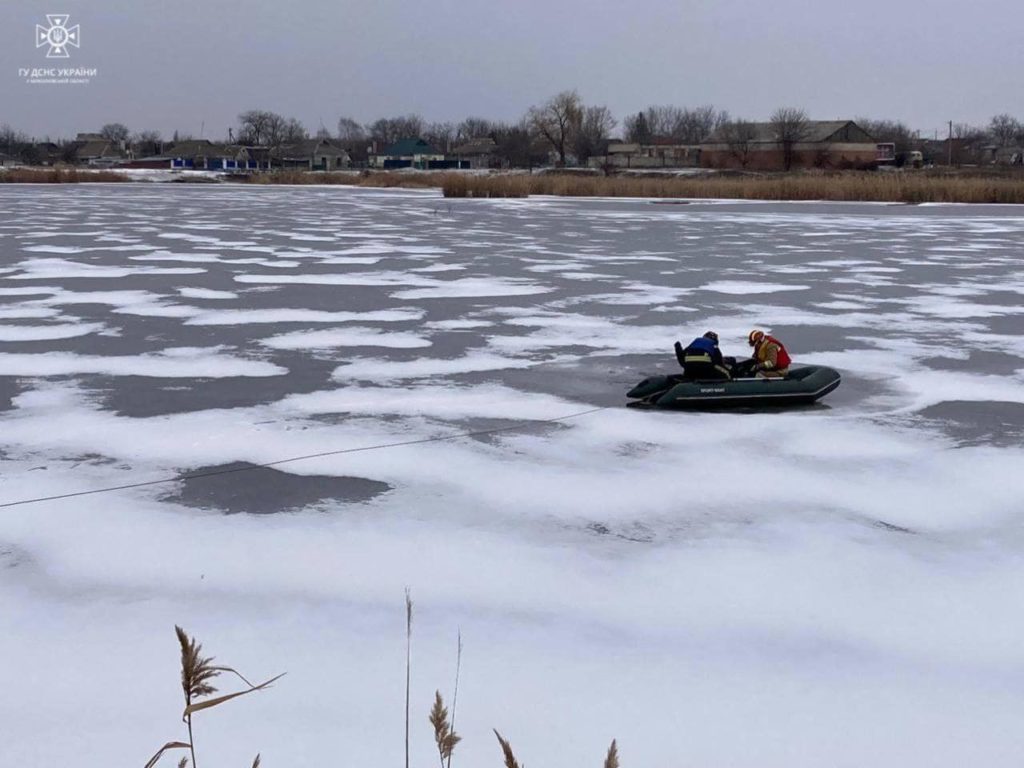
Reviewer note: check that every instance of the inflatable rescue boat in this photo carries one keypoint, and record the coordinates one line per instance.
(801, 386)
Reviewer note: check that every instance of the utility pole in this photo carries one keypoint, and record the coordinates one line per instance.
(950, 142)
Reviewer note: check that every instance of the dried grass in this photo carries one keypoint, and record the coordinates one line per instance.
(58, 176)
(849, 186)
(413, 179)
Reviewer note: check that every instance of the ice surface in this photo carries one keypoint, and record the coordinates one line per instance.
(207, 293)
(47, 332)
(383, 370)
(345, 337)
(49, 269)
(769, 589)
(260, 316)
(197, 363)
(741, 288)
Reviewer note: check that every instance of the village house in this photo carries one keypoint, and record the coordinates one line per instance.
(658, 152)
(205, 155)
(994, 154)
(312, 155)
(477, 153)
(821, 144)
(46, 153)
(411, 153)
(93, 149)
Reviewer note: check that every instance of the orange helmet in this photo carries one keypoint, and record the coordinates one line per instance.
(754, 336)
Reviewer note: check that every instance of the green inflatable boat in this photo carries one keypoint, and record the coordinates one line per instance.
(801, 386)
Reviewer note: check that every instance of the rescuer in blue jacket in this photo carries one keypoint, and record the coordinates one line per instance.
(702, 360)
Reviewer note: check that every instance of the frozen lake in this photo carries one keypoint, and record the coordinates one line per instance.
(837, 585)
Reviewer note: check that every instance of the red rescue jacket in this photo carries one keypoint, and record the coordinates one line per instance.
(782, 359)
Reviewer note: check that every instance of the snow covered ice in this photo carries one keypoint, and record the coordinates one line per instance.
(837, 585)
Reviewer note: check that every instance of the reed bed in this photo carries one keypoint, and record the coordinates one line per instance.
(353, 179)
(843, 187)
(57, 176)
(198, 673)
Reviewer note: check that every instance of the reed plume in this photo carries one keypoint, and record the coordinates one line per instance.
(612, 759)
(444, 736)
(196, 673)
(506, 749)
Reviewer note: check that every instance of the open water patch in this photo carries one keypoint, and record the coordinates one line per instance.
(979, 423)
(239, 487)
(8, 389)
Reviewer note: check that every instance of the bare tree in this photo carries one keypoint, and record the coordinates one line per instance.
(740, 135)
(10, 139)
(891, 131)
(115, 132)
(636, 129)
(474, 128)
(350, 130)
(968, 133)
(388, 130)
(790, 127)
(558, 121)
(293, 131)
(259, 128)
(664, 121)
(518, 146)
(277, 126)
(440, 135)
(682, 125)
(1005, 130)
(18, 144)
(695, 125)
(147, 142)
(254, 127)
(596, 125)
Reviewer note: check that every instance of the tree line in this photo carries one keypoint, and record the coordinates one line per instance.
(563, 127)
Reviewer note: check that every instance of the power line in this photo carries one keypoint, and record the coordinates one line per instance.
(306, 457)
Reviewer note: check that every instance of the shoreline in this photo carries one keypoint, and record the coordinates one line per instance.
(972, 186)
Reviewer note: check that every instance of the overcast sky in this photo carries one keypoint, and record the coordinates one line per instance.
(193, 65)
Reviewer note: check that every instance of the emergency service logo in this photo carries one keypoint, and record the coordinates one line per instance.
(58, 37)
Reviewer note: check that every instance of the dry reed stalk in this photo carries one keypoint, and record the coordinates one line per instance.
(612, 759)
(169, 745)
(506, 750)
(444, 735)
(408, 667)
(455, 694)
(196, 673)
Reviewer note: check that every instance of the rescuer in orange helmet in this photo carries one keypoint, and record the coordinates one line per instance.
(771, 360)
